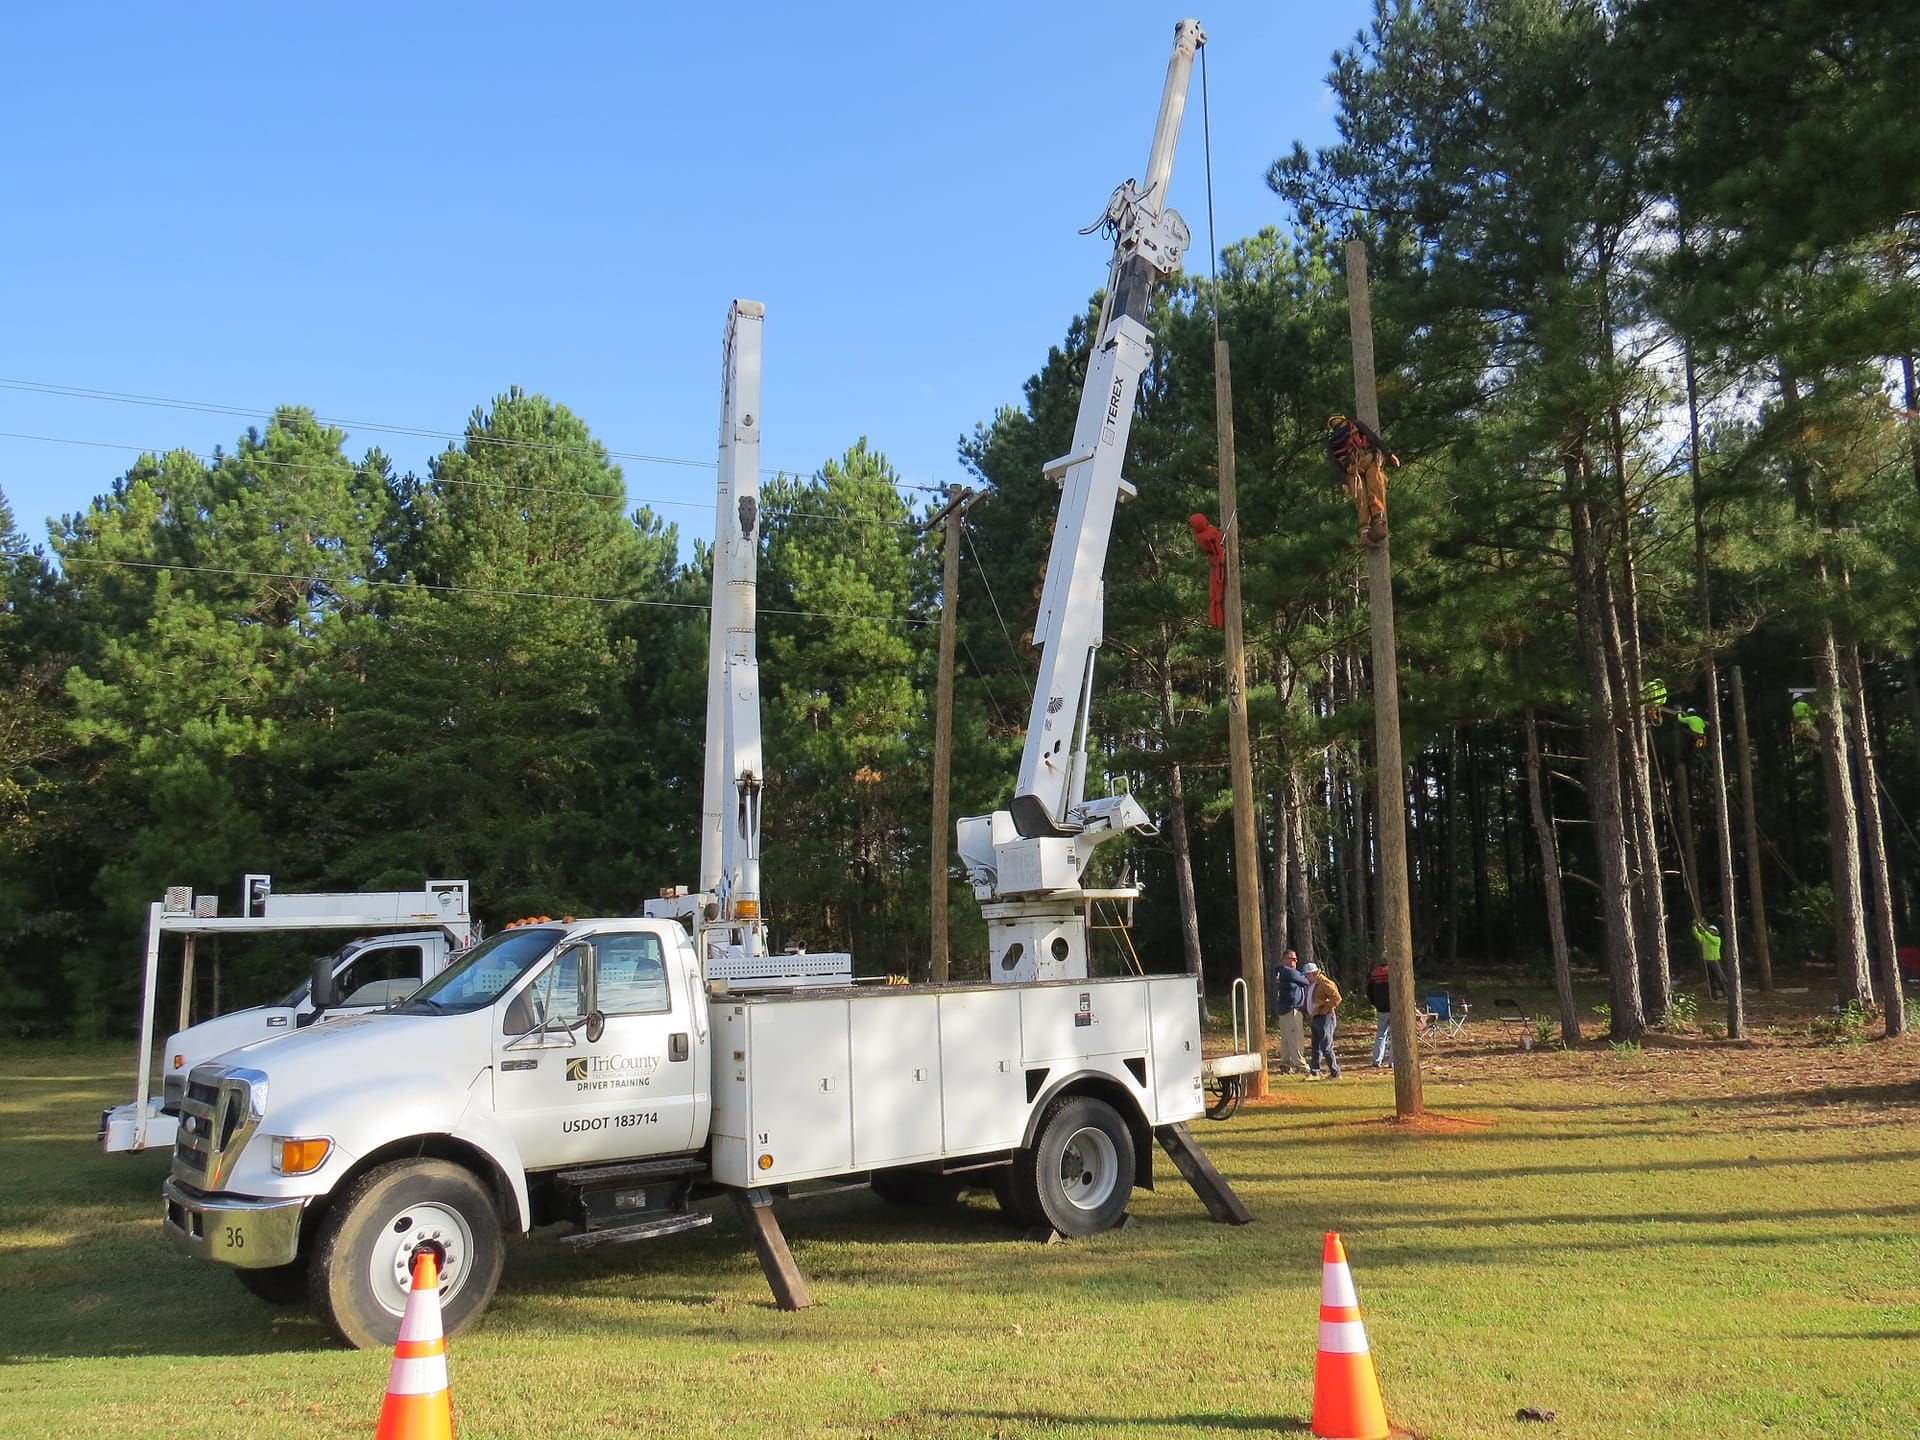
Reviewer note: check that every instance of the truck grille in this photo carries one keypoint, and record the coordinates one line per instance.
(222, 1108)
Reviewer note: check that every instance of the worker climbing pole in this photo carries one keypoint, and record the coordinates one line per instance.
(1653, 695)
(1360, 458)
(1214, 546)
(1695, 725)
(1806, 716)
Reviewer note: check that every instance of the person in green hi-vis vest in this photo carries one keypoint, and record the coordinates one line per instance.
(1708, 939)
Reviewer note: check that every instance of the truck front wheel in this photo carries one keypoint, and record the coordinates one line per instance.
(363, 1258)
(278, 1284)
(1079, 1173)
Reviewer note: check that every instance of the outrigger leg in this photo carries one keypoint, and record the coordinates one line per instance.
(1207, 1182)
(776, 1260)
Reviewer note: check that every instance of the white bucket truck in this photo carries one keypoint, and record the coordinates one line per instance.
(580, 1071)
(615, 1072)
(423, 928)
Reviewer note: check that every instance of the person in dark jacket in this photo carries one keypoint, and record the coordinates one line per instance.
(1381, 997)
(1289, 1004)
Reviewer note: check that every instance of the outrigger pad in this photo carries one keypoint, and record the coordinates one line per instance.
(776, 1260)
(1208, 1183)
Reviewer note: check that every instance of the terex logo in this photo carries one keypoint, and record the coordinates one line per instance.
(1108, 427)
(577, 1069)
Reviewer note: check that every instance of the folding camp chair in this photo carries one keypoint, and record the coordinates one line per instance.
(1449, 1014)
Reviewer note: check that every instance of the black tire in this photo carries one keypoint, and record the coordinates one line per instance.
(1079, 1173)
(915, 1187)
(1015, 1204)
(277, 1284)
(364, 1249)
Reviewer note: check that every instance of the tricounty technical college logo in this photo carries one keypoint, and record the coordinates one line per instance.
(611, 1072)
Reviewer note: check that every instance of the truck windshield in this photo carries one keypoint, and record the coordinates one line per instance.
(483, 974)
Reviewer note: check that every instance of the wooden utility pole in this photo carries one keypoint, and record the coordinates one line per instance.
(956, 505)
(1246, 843)
(1730, 930)
(1756, 895)
(1390, 800)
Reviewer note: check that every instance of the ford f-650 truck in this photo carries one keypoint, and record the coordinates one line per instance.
(581, 1071)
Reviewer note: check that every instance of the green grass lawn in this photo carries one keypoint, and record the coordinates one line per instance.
(1688, 1241)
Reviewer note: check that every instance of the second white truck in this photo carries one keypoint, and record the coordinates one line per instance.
(414, 934)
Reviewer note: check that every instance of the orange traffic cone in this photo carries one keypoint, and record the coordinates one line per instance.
(418, 1405)
(1346, 1392)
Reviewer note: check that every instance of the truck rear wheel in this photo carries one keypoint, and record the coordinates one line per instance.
(1079, 1173)
(363, 1258)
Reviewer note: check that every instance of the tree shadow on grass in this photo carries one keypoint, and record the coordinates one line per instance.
(1890, 1157)
(1132, 1424)
(122, 1291)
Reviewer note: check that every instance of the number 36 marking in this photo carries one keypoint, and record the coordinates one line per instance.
(234, 1238)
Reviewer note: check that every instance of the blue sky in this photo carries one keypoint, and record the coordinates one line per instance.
(391, 213)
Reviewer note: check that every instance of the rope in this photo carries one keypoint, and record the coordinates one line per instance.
(1206, 141)
(1686, 876)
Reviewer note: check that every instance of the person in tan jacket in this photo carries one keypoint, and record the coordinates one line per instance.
(1323, 1000)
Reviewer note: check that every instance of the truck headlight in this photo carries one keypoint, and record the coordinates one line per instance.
(299, 1156)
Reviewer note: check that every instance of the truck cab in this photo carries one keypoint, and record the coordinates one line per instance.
(317, 1161)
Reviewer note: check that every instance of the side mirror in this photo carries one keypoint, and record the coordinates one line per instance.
(325, 993)
(596, 1027)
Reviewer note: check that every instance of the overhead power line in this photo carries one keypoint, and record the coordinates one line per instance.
(481, 590)
(261, 460)
(206, 407)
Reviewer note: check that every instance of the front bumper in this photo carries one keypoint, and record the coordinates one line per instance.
(247, 1234)
(121, 1129)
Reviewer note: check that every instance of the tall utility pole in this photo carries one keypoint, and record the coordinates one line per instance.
(1730, 938)
(1390, 800)
(1756, 893)
(1246, 843)
(956, 506)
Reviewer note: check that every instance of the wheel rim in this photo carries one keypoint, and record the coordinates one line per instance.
(1089, 1169)
(390, 1268)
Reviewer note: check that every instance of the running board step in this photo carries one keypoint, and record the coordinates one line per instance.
(639, 1230)
(639, 1170)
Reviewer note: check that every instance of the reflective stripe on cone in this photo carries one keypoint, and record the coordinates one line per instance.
(1346, 1392)
(418, 1405)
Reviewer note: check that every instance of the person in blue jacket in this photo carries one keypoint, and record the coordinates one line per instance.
(1289, 1005)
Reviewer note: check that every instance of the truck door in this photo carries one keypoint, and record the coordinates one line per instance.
(593, 1059)
(381, 974)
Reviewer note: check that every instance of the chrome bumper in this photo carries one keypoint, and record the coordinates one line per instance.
(248, 1234)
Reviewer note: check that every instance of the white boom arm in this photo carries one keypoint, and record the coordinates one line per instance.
(735, 777)
(1026, 862)
(725, 913)
(1149, 241)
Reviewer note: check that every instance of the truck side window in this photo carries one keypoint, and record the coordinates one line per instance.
(381, 975)
(556, 994)
(633, 975)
